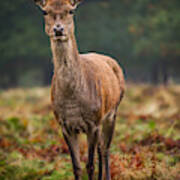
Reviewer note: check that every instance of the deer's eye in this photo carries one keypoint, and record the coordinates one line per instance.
(54, 17)
(71, 12)
(44, 13)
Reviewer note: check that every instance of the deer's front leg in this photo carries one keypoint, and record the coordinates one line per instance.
(92, 142)
(72, 142)
(99, 151)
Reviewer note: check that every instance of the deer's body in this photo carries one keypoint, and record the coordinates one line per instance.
(86, 91)
(83, 87)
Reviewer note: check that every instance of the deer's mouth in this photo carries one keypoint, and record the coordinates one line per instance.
(62, 38)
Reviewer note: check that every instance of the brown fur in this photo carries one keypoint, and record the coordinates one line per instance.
(86, 91)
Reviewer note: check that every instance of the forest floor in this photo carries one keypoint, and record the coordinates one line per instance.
(146, 144)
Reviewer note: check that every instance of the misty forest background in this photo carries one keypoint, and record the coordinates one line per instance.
(143, 35)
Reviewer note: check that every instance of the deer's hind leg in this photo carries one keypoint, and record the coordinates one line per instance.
(73, 145)
(106, 138)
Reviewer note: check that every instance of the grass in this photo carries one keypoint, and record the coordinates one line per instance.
(146, 144)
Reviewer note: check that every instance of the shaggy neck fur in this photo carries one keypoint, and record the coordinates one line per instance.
(65, 54)
(66, 64)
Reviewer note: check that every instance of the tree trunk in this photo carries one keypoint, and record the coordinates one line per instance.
(165, 73)
(155, 73)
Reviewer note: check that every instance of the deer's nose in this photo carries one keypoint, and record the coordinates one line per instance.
(58, 30)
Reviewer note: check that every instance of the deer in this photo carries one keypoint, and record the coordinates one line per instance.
(86, 89)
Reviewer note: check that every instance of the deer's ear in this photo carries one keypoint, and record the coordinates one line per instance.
(41, 3)
(75, 2)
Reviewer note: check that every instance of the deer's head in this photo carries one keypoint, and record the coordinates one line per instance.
(58, 14)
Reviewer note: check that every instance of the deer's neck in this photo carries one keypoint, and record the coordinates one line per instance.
(66, 62)
(65, 54)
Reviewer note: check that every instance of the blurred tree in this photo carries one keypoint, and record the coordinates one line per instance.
(155, 29)
(23, 45)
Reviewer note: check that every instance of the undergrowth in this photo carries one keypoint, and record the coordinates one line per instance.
(146, 144)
